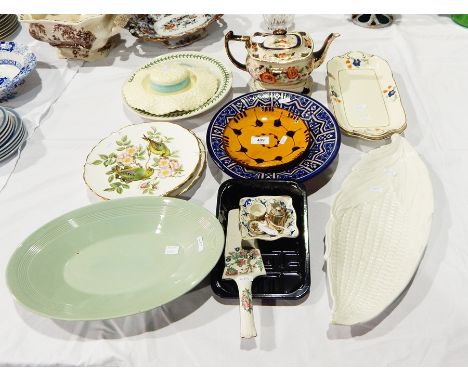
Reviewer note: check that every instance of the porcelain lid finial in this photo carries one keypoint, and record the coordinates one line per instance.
(280, 32)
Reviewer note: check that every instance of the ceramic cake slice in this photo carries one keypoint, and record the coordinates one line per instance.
(378, 229)
(242, 265)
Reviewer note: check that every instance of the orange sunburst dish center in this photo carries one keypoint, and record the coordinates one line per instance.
(264, 138)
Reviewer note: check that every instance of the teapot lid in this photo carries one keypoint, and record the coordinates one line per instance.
(281, 46)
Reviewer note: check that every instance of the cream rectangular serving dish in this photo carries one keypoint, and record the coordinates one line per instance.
(364, 96)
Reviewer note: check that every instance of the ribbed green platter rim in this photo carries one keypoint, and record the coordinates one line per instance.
(115, 258)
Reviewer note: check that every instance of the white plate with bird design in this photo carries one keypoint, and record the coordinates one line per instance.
(151, 158)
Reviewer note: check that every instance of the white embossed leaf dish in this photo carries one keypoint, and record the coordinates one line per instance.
(378, 229)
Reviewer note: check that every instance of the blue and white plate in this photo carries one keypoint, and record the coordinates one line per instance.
(16, 62)
(325, 134)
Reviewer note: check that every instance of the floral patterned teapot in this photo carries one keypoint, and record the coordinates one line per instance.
(279, 59)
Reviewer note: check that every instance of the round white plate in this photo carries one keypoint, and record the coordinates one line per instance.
(153, 158)
(215, 66)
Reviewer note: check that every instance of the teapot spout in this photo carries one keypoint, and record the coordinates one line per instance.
(319, 56)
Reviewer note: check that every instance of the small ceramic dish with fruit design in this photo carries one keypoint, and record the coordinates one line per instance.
(267, 218)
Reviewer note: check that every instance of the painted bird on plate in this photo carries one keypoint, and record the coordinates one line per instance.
(132, 174)
(157, 148)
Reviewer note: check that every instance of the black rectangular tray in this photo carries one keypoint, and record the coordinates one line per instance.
(286, 260)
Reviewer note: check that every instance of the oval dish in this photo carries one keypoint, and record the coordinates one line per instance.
(115, 258)
(378, 229)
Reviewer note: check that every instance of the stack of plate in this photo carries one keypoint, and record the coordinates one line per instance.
(177, 85)
(155, 158)
(12, 132)
(8, 25)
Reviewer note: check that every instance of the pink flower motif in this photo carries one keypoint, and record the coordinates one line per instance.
(240, 262)
(175, 164)
(164, 163)
(131, 150)
(246, 304)
(165, 172)
(144, 185)
(125, 159)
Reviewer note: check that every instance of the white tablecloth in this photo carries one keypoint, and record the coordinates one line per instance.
(75, 106)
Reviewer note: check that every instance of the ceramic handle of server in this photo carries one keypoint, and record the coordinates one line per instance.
(247, 323)
(231, 36)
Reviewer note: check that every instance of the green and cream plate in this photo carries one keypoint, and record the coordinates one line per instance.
(189, 58)
(115, 258)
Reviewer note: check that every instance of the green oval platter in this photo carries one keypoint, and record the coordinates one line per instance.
(115, 258)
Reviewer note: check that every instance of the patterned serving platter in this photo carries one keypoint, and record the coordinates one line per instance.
(173, 30)
(215, 66)
(325, 134)
(155, 158)
(364, 96)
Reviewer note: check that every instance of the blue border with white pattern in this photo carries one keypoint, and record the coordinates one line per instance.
(7, 85)
(326, 136)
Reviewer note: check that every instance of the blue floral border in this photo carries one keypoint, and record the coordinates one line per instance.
(8, 86)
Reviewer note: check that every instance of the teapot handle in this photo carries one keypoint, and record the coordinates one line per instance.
(231, 36)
